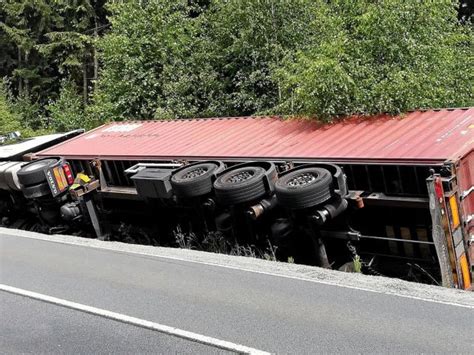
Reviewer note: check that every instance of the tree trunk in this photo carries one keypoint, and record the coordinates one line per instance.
(27, 81)
(84, 82)
(96, 60)
(20, 84)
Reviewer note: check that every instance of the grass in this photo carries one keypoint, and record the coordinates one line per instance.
(215, 242)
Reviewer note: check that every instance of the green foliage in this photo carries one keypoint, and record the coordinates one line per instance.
(67, 45)
(67, 49)
(197, 58)
(25, 22)
(247, 39)
(9, 120)
(139, 55)
(357, 264)
(67, 112)
(13, 115)
(44, 42)
(29, 111)
(389, 56)
(99, 111)
(171, 59)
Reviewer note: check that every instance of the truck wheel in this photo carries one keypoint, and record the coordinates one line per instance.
(195, 180)
(34, 173)
(240, 185)
(304, 188)
(36, 191)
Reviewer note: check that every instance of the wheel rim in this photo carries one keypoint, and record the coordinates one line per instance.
(302, 180)
(241, 176)
(195, 173)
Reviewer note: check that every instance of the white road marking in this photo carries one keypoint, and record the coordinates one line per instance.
(221, 344)
(408, 290)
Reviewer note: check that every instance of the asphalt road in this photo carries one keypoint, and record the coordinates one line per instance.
(271, 313)
(31, 326)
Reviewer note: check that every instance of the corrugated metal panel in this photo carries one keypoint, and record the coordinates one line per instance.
(419, 137)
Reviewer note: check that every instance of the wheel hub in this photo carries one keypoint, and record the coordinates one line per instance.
(194, 173)
(301, 180)
(239, 177)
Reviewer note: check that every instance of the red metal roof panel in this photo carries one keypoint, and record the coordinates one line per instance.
(421, 136)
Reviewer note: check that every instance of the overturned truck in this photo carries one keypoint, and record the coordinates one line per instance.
(380, 195)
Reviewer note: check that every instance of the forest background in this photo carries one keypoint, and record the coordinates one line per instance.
(79, 63)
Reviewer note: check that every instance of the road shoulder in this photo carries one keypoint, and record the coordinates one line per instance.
(245, 264)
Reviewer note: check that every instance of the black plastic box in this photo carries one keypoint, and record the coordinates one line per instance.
(153, 183)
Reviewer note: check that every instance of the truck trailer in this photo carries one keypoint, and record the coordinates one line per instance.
(382, 195)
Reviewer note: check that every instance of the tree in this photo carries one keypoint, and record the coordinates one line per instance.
(193, 59)
(67, 112)
(200, 58)
(249, 39)
(45, 41)
(146, 39)
(70, 44)
(9, 120)
(22, 25)
(387, 56)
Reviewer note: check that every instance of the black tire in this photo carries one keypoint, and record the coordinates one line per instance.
(240, 185)
(36, 191)
(33, 173)
(195, 180)
(304, 188)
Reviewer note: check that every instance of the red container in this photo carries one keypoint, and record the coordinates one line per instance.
(421, 137)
